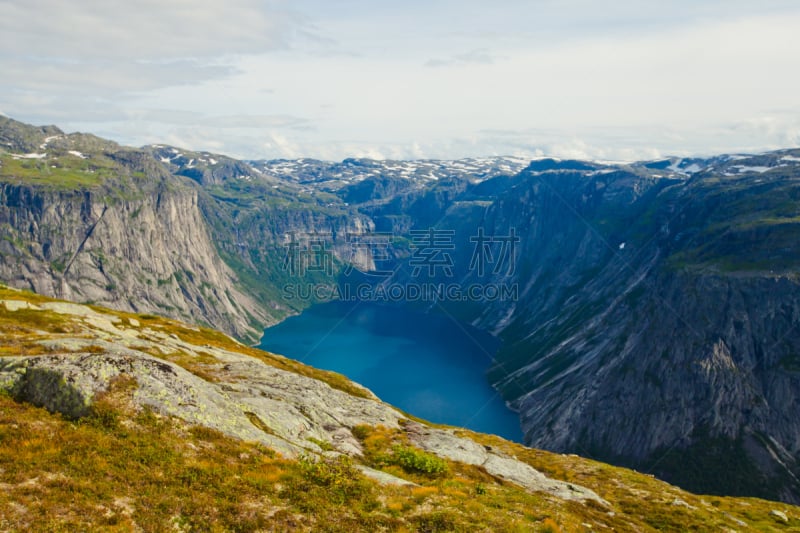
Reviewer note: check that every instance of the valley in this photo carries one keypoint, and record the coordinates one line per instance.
(665, 290)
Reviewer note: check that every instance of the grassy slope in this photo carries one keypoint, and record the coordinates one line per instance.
(68, 172)
(739, 224)
(120, 469)
(74, 162)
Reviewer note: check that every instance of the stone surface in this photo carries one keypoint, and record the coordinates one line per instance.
(444, 443)
(150, 253)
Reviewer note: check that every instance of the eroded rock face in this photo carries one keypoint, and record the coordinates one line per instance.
(291, 408)
(150, 253)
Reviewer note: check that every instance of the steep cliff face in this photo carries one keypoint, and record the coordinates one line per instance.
(274, 236)
(147, 254)
(683, 374)
(657, 324)
(85, 219)
(196, 236)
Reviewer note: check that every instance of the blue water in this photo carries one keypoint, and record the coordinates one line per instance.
(426, 365)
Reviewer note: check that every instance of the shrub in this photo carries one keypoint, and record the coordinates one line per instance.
(323, 445)
(414, 460)
(361, 432)
(341, 481)
(438, 521)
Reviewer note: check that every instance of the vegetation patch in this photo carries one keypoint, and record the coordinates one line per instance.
(413, 460)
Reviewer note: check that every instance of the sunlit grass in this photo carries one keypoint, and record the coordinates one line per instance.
(66, 172)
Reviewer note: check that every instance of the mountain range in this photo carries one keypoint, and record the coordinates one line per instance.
(654, 323)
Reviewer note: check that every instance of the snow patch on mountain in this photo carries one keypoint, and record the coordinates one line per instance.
(333, 175)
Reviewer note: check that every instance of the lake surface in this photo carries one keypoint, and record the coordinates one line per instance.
(426, 365)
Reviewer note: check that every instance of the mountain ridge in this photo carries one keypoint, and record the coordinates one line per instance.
(664, 289)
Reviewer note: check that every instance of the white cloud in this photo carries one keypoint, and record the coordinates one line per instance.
(143, 29)
(95, 52)
(601, 79)
(105, 78)
(194, 118)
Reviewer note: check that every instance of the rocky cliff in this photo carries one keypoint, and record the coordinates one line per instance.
(95, 222)
(654, 320)
(656, 324)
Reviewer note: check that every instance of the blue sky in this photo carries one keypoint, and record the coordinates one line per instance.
(434, 79)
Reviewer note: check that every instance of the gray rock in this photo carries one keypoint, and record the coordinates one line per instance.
(384, 478)
(150, 253)
(444, 443)
(16, 305)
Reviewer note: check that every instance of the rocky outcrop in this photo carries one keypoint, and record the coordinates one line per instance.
(149, 252)
(445, 443)
(20, 137)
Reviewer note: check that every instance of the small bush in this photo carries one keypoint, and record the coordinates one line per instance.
(341, 481)
(323, 445)
(108, 406)
(104, 415)
(438, 521)
(414, 460)
(361, 432)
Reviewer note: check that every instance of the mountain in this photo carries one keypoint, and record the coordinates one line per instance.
(665, 291)
(651, 318)
(113, 420)
(689, 329)
(656, 318)
(85, 219)
(333, 176)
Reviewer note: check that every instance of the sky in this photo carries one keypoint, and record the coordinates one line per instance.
(264, 79)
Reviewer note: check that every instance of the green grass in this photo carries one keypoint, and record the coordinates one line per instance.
(413, 460)
(747, 224)
(67, 172)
